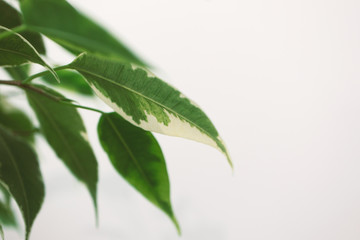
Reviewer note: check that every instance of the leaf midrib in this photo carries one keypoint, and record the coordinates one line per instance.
(13, 161)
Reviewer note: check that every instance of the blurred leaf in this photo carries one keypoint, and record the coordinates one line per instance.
(2, 233)
(137, 156)
(7, 216)
(61, 22)
(18, 72)
(20, 173)
(16, 50)
(65, 132)
(146, 101)
(10, 18)
(16, 120)
(70, 80)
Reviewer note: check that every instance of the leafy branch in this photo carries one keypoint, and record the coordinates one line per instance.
(102, 66)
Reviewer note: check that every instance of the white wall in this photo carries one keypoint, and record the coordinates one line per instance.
(280, 81)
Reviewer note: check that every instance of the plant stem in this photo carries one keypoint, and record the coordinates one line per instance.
(83, 107)
(50, 96)
(40, 74)
(12, 31)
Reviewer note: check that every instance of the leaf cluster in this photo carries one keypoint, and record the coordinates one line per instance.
(103, 67)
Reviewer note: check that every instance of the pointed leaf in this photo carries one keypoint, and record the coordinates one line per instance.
(70, 80)
(65, 132)
(16, 50)
(137, 156)
(58, 20)
(146, 101)
(16, 121)
(20, 173)
(10, 18)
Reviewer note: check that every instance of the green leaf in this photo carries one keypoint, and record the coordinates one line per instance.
(16, 50)
(18, 72)
(146, 101)
(21, 175)
(137, 156)
(7, 216)
(61, 22)
(65, 132)
(70, 80)
(16, 121)
(10, 18)
(2, 233)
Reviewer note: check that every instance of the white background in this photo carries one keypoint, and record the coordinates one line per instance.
(280, 81)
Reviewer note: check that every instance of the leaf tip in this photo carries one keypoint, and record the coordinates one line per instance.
(177, 225)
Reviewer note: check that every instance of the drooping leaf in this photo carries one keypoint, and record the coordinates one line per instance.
(70, 80)
(61, 22)
(10, 18)
(16, 50)
(146, 101)
(65, 132)
(137, 156)
(21, 175)
(16, 120)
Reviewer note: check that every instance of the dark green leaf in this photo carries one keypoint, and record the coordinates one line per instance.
(70, 80)
(58, 20)
(10, 18)
(16, 50)
(137, 156)
(146, 101)
(20, 173)
(65, 132)
(16, 120)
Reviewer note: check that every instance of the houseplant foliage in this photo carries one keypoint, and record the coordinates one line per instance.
(104, 67)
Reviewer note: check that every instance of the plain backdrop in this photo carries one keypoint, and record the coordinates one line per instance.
(280, 81)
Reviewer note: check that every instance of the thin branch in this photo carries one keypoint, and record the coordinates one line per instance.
(40, 74)
(83, 107)
(46, 94)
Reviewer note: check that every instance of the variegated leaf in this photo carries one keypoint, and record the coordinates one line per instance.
(146, 101)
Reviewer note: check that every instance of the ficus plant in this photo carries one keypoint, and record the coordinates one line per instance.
(102, 67)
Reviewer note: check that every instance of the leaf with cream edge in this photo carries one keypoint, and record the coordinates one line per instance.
(65, 132)
(20, 174)
(146, 101)
(137, 156)
(16, 50)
